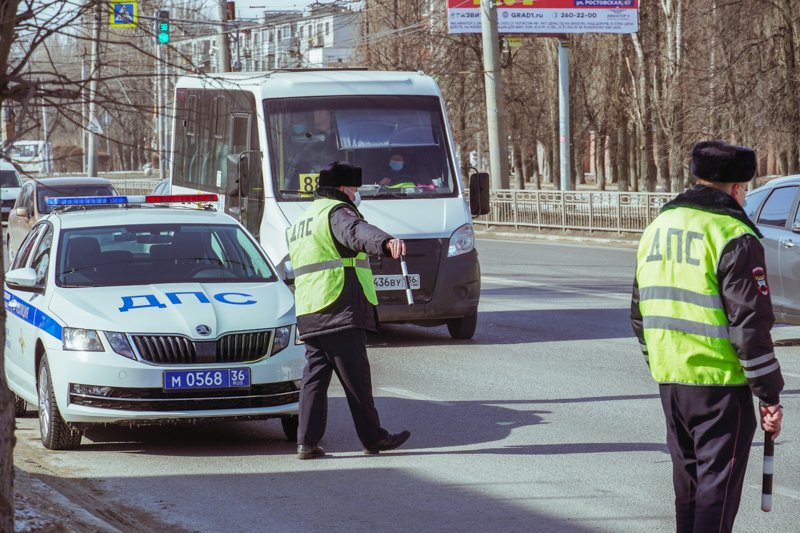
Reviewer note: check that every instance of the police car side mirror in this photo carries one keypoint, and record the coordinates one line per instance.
(22, 279)
(22, 212)
(795, 228)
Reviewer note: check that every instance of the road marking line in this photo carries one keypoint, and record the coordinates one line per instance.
(415, 396)
(536, 284)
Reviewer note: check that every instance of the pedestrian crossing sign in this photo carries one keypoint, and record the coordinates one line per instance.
(124, 14)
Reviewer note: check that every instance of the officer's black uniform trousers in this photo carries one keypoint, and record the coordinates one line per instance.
(709, 433)
(343, 352)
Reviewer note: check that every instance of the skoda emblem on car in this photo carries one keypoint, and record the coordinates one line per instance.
(203, 330)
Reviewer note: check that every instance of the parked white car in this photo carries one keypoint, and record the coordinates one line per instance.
(147, 314)
(10, 184)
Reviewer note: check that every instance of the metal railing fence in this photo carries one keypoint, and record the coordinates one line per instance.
(628, 212)
(134, 186)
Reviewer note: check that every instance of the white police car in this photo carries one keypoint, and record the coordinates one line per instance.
(147, 314)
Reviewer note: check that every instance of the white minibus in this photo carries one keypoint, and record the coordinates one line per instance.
(33, 157)
(259, 140)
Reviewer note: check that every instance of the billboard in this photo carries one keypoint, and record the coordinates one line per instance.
(547, 16)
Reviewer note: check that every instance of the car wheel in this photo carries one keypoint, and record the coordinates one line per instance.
(20, 406)
(464, 327)
(55, 432)
(290, 424)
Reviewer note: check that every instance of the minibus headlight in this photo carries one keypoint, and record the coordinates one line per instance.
(281, 339)
(81, 340)
(461, 241)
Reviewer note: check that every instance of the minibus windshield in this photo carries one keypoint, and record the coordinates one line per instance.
(399, 142)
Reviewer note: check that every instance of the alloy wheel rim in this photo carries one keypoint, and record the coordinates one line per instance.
(44, 402)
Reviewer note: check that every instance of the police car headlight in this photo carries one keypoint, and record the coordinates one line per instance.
(82, 340)
(461, 241)
(281, 339)
(119, 343)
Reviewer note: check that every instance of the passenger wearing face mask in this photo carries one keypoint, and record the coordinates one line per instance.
(335, 303)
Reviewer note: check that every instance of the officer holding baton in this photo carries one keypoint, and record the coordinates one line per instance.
(335, 301)
(702, 312)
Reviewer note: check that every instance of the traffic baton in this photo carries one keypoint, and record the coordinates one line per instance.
(404, 269)
(766, 480)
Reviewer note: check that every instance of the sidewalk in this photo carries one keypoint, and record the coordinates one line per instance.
(625, 240)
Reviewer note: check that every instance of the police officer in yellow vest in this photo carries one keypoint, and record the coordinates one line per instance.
(702, 312)
(335, 301)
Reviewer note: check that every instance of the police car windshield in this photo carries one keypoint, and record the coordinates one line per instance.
(159, 253)
(399, 142)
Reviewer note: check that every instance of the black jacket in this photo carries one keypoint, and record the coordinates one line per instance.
(746, 299)
(351, 234)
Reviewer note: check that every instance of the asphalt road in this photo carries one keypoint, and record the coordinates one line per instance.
(546, 421)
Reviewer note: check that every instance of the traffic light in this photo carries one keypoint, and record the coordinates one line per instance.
(162, 27)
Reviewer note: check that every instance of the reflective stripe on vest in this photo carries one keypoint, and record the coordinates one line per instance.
(684, 320)
(317, 264)
(333, 263)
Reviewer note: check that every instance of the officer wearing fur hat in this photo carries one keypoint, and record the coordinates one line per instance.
(702, 312)
(335, 300)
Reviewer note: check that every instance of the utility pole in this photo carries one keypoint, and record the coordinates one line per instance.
(563, 112)
(91, 162)
(223, 43)
(162, 163)
(47, 156)
(84, 131)
(495, 114)
(8, 124)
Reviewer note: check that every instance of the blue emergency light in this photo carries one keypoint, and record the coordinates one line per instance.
(132, 200)
(88, 200)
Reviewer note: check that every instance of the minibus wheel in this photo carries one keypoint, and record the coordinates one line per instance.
(290, 424)
(464, 327)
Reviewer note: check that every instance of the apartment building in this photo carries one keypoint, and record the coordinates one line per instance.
(321, 37)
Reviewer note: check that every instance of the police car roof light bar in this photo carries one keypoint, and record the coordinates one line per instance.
(132, 200)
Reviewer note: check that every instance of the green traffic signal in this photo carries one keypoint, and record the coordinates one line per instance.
(163, 27)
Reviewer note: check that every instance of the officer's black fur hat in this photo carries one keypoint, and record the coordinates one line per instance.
(340, 174)
(723, 162)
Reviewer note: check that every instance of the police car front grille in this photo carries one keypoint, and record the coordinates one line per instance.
(180, 350)
(159, 400)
